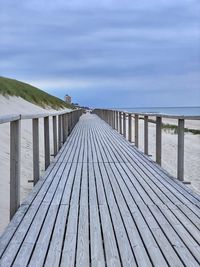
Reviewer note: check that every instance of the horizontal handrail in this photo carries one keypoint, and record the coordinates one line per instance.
(62, 124)
(13, 117)
(163, 115)
(117, 120)
(9, 118)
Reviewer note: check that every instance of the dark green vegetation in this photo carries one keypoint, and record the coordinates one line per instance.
(10, 87)
(174, 128)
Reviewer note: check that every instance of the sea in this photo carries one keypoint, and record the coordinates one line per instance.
(186, 111)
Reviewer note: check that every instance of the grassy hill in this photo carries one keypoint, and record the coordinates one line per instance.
(30, 93)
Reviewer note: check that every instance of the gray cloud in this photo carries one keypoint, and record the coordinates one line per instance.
(125, 45)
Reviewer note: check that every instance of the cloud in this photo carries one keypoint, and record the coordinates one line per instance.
(118, 45)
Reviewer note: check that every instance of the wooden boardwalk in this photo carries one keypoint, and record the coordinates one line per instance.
(103, 203)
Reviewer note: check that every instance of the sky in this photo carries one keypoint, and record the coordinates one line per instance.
(122, 53)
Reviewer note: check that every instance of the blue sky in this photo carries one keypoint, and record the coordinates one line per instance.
(120, 53)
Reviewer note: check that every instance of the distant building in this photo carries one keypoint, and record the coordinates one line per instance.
(68, 99)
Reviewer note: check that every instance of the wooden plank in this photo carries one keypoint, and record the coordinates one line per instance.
(11, 228)
(58, 235)
(111, 250)
(24, 254)
(127, 255)
(82, 250)
(42, 245)
(96, 238)
(70, 241)
(55, 249)
(83, 256)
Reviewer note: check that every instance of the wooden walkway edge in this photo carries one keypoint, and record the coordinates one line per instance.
(103, 203)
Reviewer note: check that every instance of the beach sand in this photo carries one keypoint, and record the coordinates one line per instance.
(169, 150)
(16, 105)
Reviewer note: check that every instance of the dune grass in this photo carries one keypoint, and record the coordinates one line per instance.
(10, 87)
(174, 128)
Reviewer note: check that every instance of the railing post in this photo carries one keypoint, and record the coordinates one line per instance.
(36, 164)
(158, 139)
(46, 142)
(55, 136)
(114, 119)
(117, 121)
(15, 159)
(136, 130)
(130, 127)
(69, 123)
(71, 120)
(124, 124)
(180, 165)
(120, 122)
(146, 145)
(59, 131)
(65, 127)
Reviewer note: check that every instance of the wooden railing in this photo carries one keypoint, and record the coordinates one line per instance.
(63, 123)
(117, 120)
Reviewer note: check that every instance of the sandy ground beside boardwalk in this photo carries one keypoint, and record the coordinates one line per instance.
(16, 105)
(169, 150)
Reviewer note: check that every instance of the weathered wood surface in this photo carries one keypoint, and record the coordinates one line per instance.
(103, 203)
